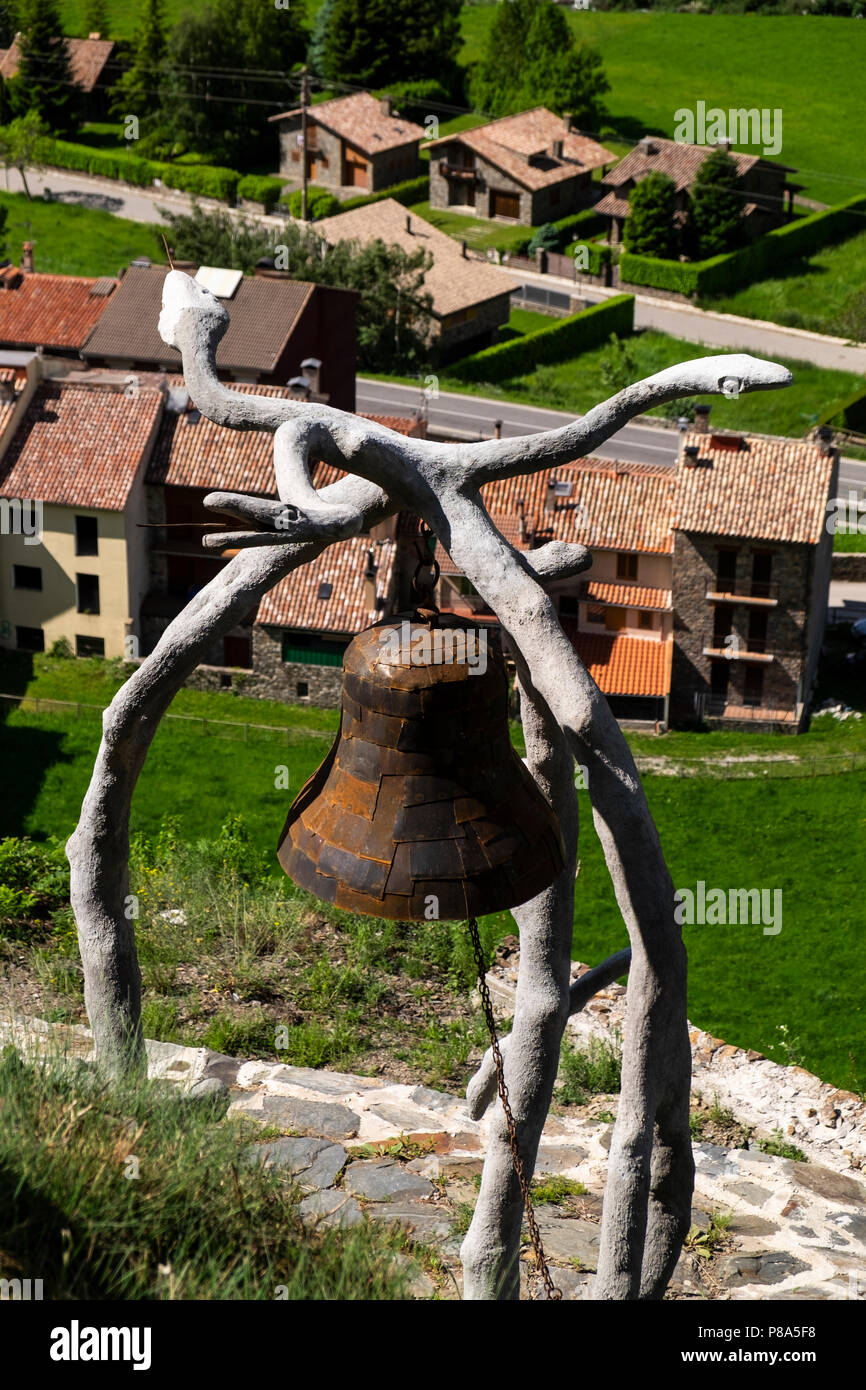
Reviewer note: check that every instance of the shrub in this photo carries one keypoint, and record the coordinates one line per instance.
(206, 181)
(34, 884)
(546, 238)
(565, 338)
(321, 202)
(260, 188)
(599, 255)
(594, 1071)
(409, 192)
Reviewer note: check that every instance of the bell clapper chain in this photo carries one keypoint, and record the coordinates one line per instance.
(535, 1235)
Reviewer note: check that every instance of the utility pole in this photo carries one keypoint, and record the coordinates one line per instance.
(305, 97)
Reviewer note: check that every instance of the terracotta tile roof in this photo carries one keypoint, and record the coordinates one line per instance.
(9, 376)
(192, 451)
(770, 489)
(295, 601)
(624, 665)
(613, 506)
(52, 311)
(454, 281)
(263, 314)
(87, 58)
(360, 120)
(80, 446)
(680, 162)
(509, 144)
(625, 595)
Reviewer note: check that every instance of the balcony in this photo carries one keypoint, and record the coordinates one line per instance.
(718, 707)
(758, 593)
(457, 171)
(754, 650)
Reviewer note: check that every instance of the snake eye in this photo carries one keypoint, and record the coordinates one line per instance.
(730, 386)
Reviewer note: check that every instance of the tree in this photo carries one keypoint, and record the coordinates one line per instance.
(44, 80)
(8, 22)
(220, 114)
(617, 366)
(532, 59)
(318, 39)
(650, 229)
(19, 144)
(394, 310)
(355, 41)
(716, 212)
(136, 93)
(96, 17)
(648, 1197)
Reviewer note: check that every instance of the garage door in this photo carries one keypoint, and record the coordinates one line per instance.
(505, 204)
(356, 170)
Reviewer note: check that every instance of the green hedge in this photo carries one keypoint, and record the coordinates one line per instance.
(261, 188)
(599, 256)
(565, 338)
(408, 192)
(208, 181)
(722, 274)
(321, 202)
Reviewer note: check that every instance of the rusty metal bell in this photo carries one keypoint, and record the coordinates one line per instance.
(422, 808)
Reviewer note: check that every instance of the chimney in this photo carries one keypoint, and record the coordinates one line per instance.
(566, 122)
(521, 512)
(409, 224)
(646, 145)
(95, 35)
(550, 494)
(702, 420)
(7, 391)
(311, 368)
(463, 248)
(497, 429)
(386, 106)
(27, 258)
(370, 583)
(557, 149)
(690, 455)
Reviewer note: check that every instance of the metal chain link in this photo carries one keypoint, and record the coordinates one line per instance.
(535, 1235)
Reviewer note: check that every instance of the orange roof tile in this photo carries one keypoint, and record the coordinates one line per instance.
(625, 595)
(52, 311)
(80, 446)
(511, 142)
(87, 58)
(624, 665)
(770, 489)
(360, 120)
(295, 601)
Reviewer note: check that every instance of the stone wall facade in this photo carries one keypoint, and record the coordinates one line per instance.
(694, 575)
(476, 326)
(292, 681)
(850, 569)
(326, 159)
(537, 206)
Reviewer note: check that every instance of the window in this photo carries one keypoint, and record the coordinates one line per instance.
(753, 686)
(757, 639)
(719, 673)
(568, 606)
(595, 612)
(762, 569)
(726, 571)
(302, 690)
(30, 639)
(626, 566)
(723, 622)
(27, 576)
(89, 646)
(88, 592)
(312, 650)
(644, 619)
(614, 619)
(86, 536)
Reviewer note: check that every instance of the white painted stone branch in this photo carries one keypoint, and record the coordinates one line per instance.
(649, 1190)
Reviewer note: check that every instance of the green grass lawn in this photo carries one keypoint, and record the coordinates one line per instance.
(124, 15)
(658, 62)
(479, 232)
(809, 294)
(577, 385)
(522, 321)
(73, 240)
(804, 836)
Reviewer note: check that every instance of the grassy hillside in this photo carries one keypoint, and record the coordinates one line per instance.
(658, 62)
(72, 240)
(804, 837)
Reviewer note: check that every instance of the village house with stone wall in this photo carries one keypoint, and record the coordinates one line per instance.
(354, 144)
(767, 192)
(531, 168)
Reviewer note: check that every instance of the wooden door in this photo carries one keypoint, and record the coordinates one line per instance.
(505, 204)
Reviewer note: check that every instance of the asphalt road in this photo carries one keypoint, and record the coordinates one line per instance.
(472, 417)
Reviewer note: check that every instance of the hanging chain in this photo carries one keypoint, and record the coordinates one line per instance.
(535, 1235)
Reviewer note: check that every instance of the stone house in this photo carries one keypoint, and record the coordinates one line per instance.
(531, 168)
(357, 143)
(768, 195)
(92, 73)
(471, 299)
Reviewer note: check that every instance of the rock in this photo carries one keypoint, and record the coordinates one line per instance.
(404, 1118)
(572, 1283)
(834, 1187)
(294, 1155)
(208, 1086)
(224, 1068)
(427, 1224)
(328, 1083)
(568, 1238)
(759, 1267)
(331, 1208)
(314, 1117)
(380, 1179)
(752, 1226)
(419, 1283)
(434, 1100)
(326, 1168)
(558, 1158)
(750, 1192)
(851, 1222)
